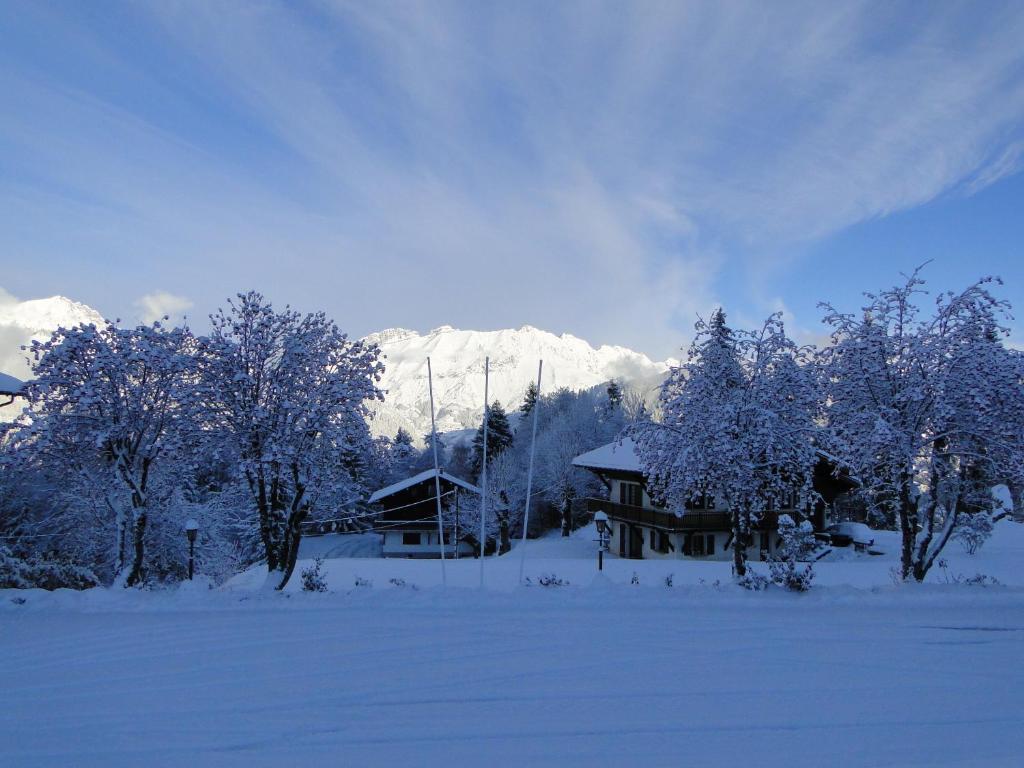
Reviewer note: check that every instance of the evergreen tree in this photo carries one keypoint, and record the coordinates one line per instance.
(499, 437)
(529, 401)
(614, 396)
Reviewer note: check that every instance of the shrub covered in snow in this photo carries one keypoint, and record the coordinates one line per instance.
(313, 578)
(35, 572)
(797, 546)
(548, 580)
(973, 531)
(753, 581)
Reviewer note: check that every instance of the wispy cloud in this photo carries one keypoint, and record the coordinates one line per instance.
(598, 168)
(161, 304)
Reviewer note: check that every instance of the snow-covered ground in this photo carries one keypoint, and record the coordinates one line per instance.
(856, 672)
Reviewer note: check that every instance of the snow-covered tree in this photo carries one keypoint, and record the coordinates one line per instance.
(926, 409)
(571, 423)
(289, 393)
(106, 407)
(737, 423)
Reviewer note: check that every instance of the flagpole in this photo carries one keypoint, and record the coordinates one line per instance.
(483, 498)
(529, 475)
(437, 473)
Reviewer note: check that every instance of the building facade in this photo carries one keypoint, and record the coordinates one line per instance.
(641, 528)
(407, 516)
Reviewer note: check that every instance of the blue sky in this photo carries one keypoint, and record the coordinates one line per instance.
(606, 169)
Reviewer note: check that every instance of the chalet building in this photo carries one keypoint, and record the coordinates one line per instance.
(642, 528)
(408, 516)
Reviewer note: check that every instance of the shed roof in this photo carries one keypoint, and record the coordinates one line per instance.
(426, 474)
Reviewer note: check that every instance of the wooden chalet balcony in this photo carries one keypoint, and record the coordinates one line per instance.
(692, 520)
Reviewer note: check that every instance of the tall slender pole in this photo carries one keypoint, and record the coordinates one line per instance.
(529, 476)
(483, 498)
(437, 473)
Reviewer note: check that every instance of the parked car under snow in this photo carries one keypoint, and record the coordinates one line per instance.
(845, 534)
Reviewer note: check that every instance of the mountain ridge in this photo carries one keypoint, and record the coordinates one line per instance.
(457, 359)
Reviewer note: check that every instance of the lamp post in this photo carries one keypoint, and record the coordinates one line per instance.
(191, 530)
(601, 520)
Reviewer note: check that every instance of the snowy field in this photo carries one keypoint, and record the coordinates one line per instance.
(857, 672)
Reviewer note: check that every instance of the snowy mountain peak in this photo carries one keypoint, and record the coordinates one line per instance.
(48, 315)
(457, 359)
(21, 322)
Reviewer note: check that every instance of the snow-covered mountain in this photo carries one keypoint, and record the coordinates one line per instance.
(24, 321)
(457, 360)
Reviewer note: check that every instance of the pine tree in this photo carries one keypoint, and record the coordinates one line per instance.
(614, 395)
(529, 401)
(499, 437)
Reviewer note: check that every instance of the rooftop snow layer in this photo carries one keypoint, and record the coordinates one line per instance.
(618, 455)
(426, 474)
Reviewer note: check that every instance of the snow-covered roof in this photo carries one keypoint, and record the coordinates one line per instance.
(620, 455)
(426, 474)
(8, 383)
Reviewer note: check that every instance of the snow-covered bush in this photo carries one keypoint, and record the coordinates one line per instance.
(548, 580)
(797, 546)
(753, 581)
(973, 530)
(361, 582)
(313, 578)
(37, 573)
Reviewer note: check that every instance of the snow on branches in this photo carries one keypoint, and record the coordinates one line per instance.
(289, 393)
(926, 409)
(105, 404)
(738, 422)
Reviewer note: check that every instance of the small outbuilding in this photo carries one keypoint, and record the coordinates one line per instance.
(407, 516)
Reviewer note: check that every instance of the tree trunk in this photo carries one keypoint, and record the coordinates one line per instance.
(292, 533)
(138, 548)
(908, 528)
(567, 514)
(503, 536)
(739, 545)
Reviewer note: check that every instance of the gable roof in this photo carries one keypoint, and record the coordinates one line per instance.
(620, 455)
(426, 474)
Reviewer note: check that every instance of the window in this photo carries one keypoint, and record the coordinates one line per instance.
(711, 544)
(631, 494)
(411, 539)
(654, 540)
(765, 543)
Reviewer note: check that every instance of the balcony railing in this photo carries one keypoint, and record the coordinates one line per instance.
(658, 518)
(691, 520)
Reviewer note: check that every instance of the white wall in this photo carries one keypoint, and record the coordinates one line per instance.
(428, 546)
